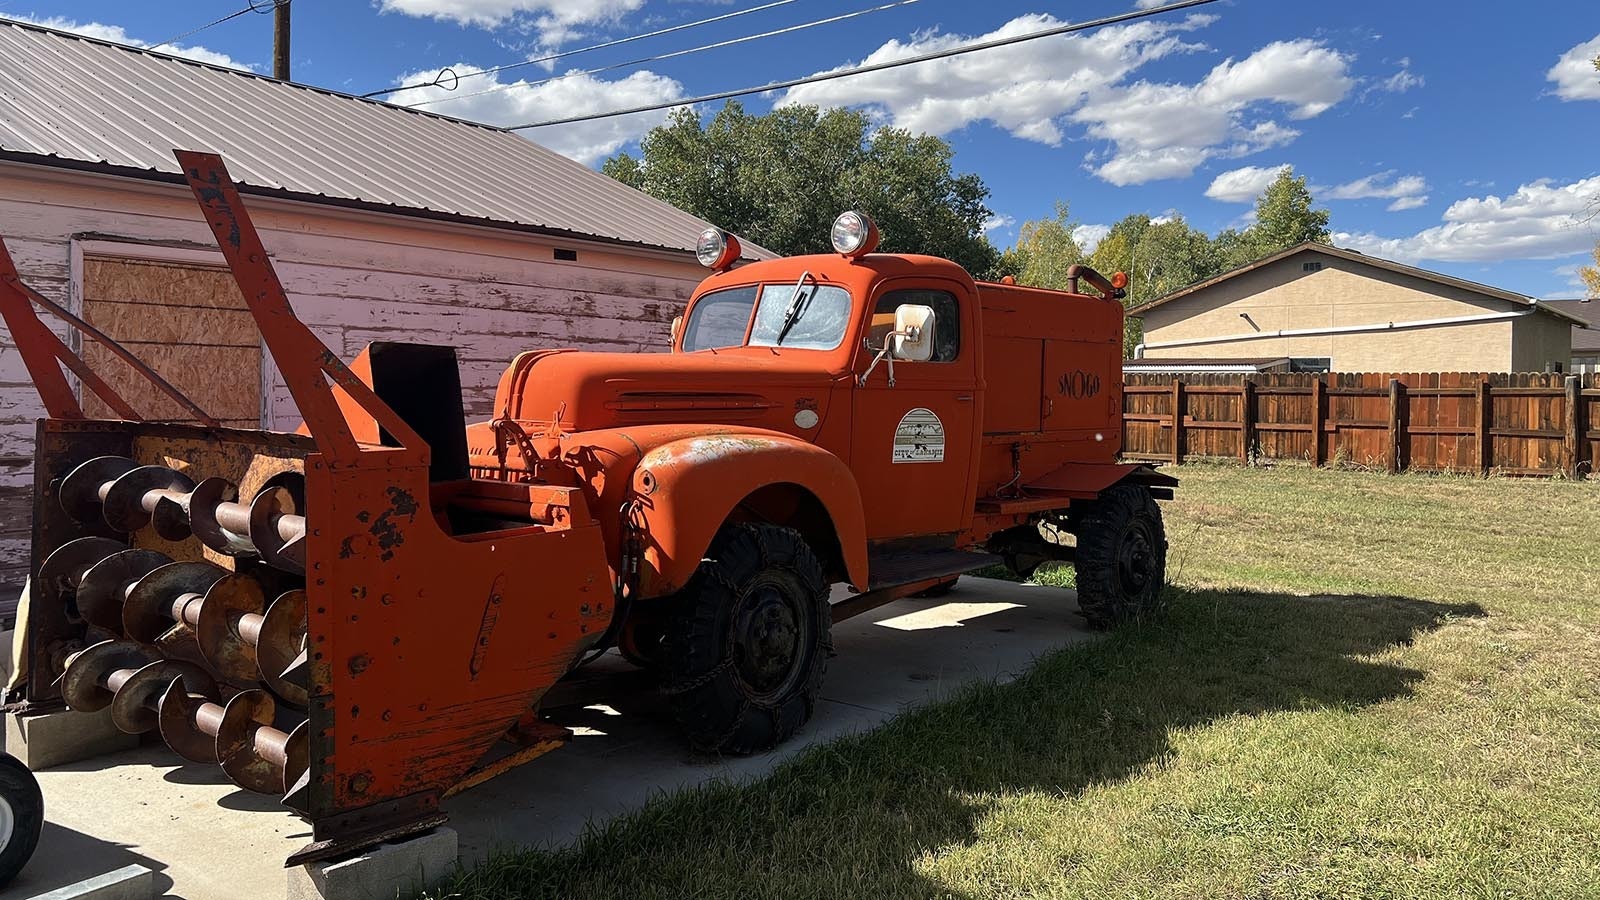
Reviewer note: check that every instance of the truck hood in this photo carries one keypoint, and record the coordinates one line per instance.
(589, 391)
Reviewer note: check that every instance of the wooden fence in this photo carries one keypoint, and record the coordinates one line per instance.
(1484, 423)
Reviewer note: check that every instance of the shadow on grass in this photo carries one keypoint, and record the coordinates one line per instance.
(849, 819)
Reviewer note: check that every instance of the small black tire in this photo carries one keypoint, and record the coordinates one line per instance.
(1121, 558)
(749, 644)
(21, 817)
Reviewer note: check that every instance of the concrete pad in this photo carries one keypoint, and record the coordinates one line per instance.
(64, 736)
(213, 840)
(400, 869)
(131, 882)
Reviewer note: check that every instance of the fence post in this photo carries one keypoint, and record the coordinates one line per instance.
(1399, 416)
(1177, 420)
(1482, 428)
(1572, 447)
(1247, 420)
(1318, 398)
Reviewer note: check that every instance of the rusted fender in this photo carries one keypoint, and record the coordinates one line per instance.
(689, 487)
(1087, 480)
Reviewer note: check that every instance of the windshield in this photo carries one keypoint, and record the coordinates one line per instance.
(720, 319)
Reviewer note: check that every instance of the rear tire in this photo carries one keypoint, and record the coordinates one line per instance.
(747, 650)
(1121, 559)
(21, 817)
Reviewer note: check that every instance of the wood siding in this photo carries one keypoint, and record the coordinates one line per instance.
(1470, 422)
(353, 277)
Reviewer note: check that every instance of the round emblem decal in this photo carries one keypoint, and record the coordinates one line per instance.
(919, 438)
(806, 418)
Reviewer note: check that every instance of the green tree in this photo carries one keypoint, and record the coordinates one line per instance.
(1045, 249)
(780, 179)
(1284, 217)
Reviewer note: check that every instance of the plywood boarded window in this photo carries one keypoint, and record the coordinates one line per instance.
(187, 322)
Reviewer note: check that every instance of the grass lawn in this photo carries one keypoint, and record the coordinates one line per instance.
(1367, 686)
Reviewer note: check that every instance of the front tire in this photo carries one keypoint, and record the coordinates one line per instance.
(747, 650)
(21, 817)
(1121, 559)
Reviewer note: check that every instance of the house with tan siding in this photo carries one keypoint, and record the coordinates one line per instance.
(1317, 307)
(385, 224)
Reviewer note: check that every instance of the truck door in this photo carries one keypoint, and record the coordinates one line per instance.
(913, 445)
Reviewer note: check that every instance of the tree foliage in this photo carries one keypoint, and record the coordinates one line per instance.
(1591, 274)
(1165, 253)
(780, 179)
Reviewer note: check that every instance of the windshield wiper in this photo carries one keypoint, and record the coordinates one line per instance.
(797, 306)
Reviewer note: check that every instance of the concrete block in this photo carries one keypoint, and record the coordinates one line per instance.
(385, 872)
(65, 736)
(133, 882)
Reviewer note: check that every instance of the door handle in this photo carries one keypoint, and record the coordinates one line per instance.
(965, 398)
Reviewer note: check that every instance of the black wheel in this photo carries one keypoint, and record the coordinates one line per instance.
(21, 817)
(747, 649)
(1121, 559)
(941, 589)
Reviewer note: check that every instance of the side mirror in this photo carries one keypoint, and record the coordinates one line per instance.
(677, 329)
(914, 328)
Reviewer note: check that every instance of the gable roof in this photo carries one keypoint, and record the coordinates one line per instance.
(1584, 340)
(77, 102)
(1362, 259)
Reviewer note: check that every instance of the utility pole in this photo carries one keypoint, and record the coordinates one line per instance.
(280, 40)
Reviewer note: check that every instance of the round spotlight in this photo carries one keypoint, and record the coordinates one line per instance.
(854, 233)
(716, 249)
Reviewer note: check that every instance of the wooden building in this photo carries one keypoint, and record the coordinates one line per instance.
(385, 224)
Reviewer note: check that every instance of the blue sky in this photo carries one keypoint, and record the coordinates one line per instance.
(1439, 132)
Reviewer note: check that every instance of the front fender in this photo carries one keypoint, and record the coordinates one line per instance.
(689, 487)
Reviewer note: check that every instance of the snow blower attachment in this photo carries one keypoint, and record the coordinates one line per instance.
(337, 617)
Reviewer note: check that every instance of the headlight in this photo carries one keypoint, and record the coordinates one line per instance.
(854, 233)
(716, 249)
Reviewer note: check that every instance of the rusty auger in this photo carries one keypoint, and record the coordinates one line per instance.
(341, 616)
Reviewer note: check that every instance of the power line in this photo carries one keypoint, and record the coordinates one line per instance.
(260, 6)
(676, 53)
(876, 67)
(566, 53)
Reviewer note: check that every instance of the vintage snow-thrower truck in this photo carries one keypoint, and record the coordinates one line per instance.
(365, 616)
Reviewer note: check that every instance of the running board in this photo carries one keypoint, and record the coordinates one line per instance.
(891, 569)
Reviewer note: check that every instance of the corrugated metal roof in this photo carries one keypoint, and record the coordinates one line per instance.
(71, 100)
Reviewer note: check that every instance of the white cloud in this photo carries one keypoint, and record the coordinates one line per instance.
(520, 102)
(1407, 191)
(118, 35)
(1574, 73)
(1168, 130)
(1089, 237)
(999, 221)
(1034, 90)
(1022, 88)
(554, 20)
(1243, 185)
(1541, 220)
(1403, 80)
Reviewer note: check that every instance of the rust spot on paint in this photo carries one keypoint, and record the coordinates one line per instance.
(360, 663)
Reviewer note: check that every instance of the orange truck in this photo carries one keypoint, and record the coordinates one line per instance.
(365, 616)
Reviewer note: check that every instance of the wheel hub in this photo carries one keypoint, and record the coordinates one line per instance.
(1135, 562)
(767, 639)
